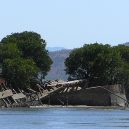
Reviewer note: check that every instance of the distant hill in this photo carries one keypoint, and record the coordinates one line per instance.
(58, 55)
(52, 49)
(57, 69)
(126, 44)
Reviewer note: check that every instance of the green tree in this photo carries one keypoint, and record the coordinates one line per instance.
(9, 51)
(19, 72)
(124, 52)
(98, 64)
(124, 70)
(23, 56)
(32, 46)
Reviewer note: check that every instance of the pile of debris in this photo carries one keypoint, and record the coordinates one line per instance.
(20, 98)
(64, 93)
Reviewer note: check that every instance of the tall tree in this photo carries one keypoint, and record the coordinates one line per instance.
(98, 64)
(23, 56)
(31, 45)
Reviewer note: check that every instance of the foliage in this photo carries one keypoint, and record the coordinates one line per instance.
(32, 46)
(98, 64)
(19, 72)
(9, 51)
(124, 70)
(22, 56)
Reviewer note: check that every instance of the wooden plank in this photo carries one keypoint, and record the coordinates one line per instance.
(31, 90)
(6, 94)
(70, 83)
(49, 92)
(61, 86)
(18, 96)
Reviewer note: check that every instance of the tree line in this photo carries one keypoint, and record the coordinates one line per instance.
(23, 56)
(99, 64)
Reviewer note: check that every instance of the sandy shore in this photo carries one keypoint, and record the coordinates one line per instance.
(79, 106)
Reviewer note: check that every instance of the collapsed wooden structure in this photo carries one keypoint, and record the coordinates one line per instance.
(64, 93)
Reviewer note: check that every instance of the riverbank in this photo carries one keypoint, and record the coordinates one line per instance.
(79, 106)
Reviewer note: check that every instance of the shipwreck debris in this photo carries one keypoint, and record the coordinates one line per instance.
(63, 93)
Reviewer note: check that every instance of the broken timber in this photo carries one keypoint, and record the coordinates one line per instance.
(5, 94)
(58, 86)
(72, 92)
(18, 96)
(79, 94)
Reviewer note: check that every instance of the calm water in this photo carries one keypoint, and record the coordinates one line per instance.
(64, 118)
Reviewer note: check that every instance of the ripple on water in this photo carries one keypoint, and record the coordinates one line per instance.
(64, 118)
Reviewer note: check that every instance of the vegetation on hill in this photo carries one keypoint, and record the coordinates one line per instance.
(99, 64)
(22, 56)
(58, 67)
(126, 44)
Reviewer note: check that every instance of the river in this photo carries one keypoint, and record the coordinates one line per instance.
(63, 118)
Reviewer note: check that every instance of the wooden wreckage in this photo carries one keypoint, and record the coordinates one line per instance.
(63, 93)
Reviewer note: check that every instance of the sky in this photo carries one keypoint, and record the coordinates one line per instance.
(67, 23)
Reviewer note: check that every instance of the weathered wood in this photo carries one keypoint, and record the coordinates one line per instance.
(39, 86)
(58, 86)
(33, 91)
(18, 96)
(70, 83)
(5, 102)
(44, 94)
(8, 101)
(6, 94)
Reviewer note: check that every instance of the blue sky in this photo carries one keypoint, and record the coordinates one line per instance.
(67, 23)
